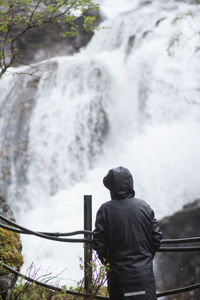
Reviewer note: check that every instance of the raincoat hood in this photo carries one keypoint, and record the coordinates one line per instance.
(120, 183)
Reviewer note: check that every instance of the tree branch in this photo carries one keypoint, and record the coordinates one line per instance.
(34, 10)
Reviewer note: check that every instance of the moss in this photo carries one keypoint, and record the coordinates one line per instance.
(10, 248)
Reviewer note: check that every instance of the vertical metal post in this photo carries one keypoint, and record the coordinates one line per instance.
(88, 246)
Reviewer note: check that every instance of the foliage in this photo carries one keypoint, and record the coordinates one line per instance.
(10, 248)
(17, 17)
(30, 291)
(99, 277)
(34, 292)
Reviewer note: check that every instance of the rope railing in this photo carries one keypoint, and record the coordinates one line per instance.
(179, 249)
(42, 235)
(71, 292)
(181, 241)
(55, 237)
(54, 234)
(179, 290)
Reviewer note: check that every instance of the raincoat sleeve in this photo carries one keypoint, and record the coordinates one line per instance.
(99, 237)
(156, 234)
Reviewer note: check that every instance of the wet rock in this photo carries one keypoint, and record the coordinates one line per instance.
(189, 1)
(15, 115)
(16, 111)
(159, 21)
(47, 42)
(130, 44)
(175, 270)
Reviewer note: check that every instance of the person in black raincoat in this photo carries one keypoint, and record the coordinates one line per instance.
(126, 237)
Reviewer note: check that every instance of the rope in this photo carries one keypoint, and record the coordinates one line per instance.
(47, 236)
(184, 240)
(179, 291)
(42, 235)
(55, 234)
(57, 289)
(179, 249)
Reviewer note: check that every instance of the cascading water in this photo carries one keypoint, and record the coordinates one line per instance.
(121, 101)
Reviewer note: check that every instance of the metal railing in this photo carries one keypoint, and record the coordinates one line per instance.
(87, 240)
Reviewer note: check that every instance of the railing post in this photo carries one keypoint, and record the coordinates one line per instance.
(88, 246)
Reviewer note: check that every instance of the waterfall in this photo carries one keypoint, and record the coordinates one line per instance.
(130, 98)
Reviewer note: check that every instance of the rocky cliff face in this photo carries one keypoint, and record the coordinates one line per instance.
(10, 252)
(45, 94)
(174, 270)
(47, 42)
(20, 97)
(16, 111)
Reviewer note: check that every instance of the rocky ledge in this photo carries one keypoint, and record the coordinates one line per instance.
(174, 270)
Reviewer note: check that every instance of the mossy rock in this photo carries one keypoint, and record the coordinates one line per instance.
(10, 250)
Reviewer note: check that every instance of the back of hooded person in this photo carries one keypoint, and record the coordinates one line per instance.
(126, 236)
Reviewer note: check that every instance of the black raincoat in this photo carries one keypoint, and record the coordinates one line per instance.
(127, 236)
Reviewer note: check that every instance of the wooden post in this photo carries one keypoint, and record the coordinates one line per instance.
(88, 246)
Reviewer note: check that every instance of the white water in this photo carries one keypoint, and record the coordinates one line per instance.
(152, 104)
